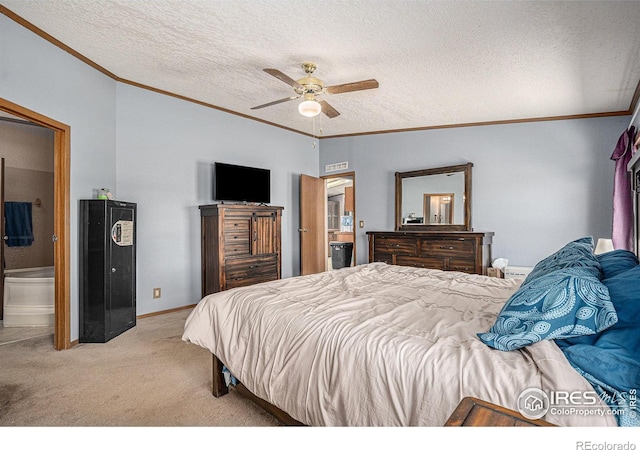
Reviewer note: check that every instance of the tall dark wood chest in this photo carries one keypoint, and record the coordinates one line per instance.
(241, 245)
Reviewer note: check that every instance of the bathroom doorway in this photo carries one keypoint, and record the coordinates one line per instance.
(327, 214)
(60, 206)
(340, 226)
(26, 151)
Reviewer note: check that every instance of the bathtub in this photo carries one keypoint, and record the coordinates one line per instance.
(29, 297)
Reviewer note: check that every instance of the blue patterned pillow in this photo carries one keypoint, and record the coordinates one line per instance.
(562, 297)
(578, 253)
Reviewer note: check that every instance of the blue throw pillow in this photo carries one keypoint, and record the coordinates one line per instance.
(561, 298)
(617, 261)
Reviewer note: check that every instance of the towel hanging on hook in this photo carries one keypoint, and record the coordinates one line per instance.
(18, 224)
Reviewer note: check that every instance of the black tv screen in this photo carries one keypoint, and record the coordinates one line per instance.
(234, 183)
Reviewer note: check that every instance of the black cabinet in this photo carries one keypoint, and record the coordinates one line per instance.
(107, 269)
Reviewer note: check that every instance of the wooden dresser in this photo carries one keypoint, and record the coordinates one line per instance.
(241, 245)
(462, 251)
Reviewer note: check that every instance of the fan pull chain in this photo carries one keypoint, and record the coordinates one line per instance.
(316, 138)
(313, 132)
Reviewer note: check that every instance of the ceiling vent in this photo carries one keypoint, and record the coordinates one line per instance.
(336, 166)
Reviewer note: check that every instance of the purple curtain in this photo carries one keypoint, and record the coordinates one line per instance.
(622, 197)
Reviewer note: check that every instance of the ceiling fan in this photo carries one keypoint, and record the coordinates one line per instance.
(310, 87)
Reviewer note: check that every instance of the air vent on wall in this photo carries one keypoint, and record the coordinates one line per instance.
(336, 166)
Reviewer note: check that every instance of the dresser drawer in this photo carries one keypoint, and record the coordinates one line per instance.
(246, 271)
(237, 245)
(241, 281)
(236, 224)
(397, 245)
(448, 247)
(382, 257)
(423, 263)
(461, 265)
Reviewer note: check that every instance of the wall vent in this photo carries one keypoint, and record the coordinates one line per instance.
(336, 166)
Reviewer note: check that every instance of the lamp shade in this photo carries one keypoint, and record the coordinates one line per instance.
(603, 246)
(309, 108)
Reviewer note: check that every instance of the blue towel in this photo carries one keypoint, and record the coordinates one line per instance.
(18, 224)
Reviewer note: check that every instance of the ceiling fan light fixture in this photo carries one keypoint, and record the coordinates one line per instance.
(309, 108)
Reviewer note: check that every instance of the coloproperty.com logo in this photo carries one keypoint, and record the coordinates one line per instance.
(534, 403)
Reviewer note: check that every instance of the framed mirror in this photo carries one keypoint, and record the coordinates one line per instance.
(436, 199)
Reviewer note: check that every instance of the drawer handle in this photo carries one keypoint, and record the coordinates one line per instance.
(444, 247)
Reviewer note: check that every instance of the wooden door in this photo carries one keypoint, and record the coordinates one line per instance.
(313, 252)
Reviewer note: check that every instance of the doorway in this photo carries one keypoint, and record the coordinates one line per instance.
(61, 206)
(327, 214)
(340, 229)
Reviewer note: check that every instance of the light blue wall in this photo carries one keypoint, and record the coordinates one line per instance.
(165, 150)
(150, 149)
(41, 77)
(536, 185)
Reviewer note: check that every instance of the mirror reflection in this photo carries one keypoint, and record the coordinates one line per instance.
(434, 198)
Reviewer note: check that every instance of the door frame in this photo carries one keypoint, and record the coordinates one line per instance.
(61, 205)
(351, 175)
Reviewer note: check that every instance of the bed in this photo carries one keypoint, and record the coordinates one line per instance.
(385, 345)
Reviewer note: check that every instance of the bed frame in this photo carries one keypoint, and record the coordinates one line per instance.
(220, 388)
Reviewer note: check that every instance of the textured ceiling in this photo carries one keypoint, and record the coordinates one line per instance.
(438, 63)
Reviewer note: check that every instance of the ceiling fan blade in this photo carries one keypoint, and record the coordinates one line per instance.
(282, 77)
(282, 100)
(329, 110)
(350, 87)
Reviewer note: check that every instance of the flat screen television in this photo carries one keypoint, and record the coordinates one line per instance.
(233, 183)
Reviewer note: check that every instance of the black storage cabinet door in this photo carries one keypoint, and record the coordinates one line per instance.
(107, 269)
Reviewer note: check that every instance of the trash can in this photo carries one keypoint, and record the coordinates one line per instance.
(341, 254)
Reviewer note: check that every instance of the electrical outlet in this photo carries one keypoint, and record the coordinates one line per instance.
(156, 292)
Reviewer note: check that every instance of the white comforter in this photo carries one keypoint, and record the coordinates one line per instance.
(376, 345)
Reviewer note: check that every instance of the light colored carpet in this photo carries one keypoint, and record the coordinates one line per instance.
(147, 376)
(149, 386)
